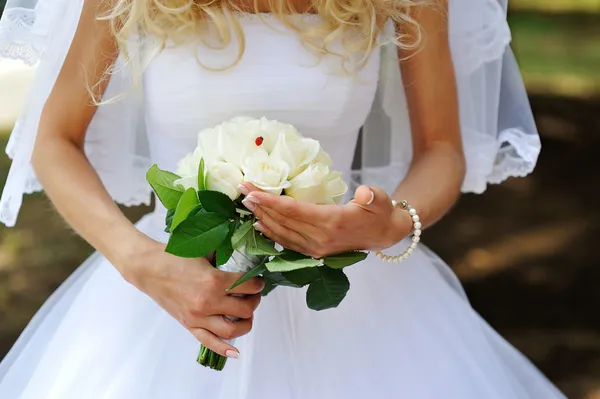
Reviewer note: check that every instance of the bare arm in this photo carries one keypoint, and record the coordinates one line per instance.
(191, 290)
(438, 167)
(58, 157)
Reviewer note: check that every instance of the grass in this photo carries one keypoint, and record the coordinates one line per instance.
(557, 43)
(562, 6)
(558, 53)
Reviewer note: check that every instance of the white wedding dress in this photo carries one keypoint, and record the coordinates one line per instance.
(404, 331)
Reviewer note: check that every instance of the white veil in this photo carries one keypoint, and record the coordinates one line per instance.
(499, 134)
(40, 33)
(498, 130)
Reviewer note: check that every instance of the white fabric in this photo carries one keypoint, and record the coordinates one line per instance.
(404, 331)
(499, 134)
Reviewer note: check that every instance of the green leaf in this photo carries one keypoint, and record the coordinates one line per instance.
(217, 202)
(290, 260)
(162, 183)
(169, 220)
(198, 235)
(241, 235)
(201, 177)
(269, 286)
(345, 259)
(187, 203)
(196, 211)
(257, 244)
(225, 251)
(254, 272)
(304, 276)
(279, 279)
(329, 290)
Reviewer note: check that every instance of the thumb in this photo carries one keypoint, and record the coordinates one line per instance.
(364, 195)
(371, 198)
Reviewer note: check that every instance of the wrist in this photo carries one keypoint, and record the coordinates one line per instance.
(402, 223)
(130, 256)
(415, 231)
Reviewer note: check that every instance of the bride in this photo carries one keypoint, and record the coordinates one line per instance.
(124, 84)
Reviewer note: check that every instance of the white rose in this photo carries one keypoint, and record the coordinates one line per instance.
(244, 132)
(297, 153)
(266, 173)
(272, 129)
(238, 142)
(241, 120)
(225, 178)
(323, 157)
(208, 141)
(258, 128)
(317, 185)
(336, 187)
(187, 169)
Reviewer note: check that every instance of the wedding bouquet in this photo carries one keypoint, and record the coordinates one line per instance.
(206, 216)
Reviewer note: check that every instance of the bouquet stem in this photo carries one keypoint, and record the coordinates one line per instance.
(240, 261)
(211, 359)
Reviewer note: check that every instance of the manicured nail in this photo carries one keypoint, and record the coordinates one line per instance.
(243, 189)
(232, 354)
(259, 226)
(250, 202)
(372, 198)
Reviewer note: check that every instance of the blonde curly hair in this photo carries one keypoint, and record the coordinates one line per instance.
(179, 20)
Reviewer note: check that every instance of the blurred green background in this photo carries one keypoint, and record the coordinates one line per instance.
(526, 250)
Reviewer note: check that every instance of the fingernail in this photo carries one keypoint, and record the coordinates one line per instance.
(259, 226)
(232, 354)
(372, 198)
(250, 202)
(263, 284)
(243, 189)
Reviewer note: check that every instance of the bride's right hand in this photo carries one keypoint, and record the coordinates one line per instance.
(194, 293)
(191, 290)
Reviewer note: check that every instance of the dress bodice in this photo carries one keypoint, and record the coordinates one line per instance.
(277, 77)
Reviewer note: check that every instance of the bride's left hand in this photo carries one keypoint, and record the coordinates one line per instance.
(368, 222)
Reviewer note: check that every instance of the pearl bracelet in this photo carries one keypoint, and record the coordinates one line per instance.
(416, 235)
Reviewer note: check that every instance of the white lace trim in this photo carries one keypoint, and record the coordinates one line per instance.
(17, 39)
(514, 154)
(517, 155)
(139, 193)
